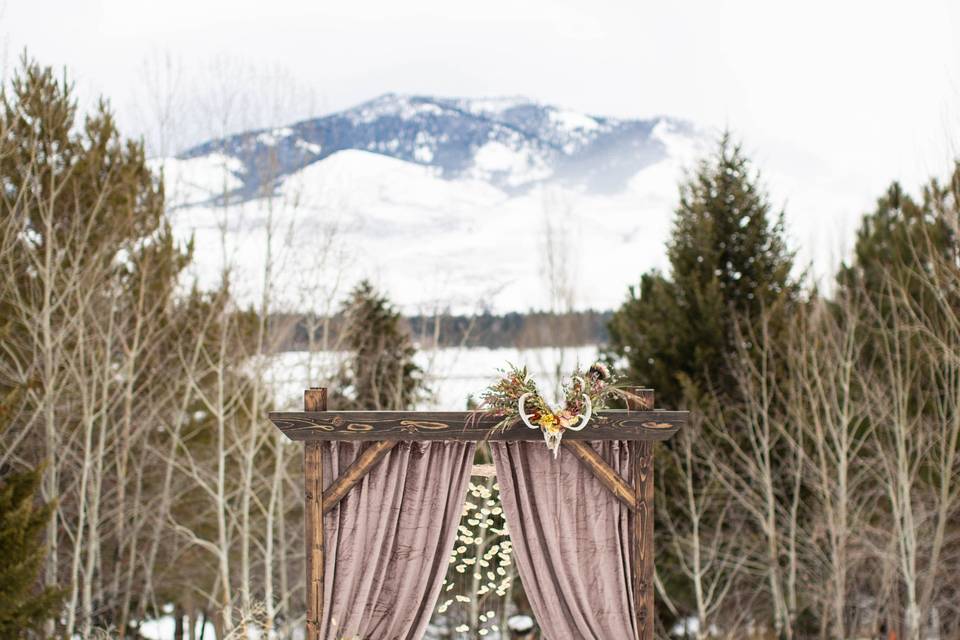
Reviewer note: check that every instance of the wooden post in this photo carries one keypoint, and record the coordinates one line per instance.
(643, 587)
(314, 399)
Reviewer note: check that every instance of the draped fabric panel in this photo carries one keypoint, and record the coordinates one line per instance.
(388, 541)
(571, 539)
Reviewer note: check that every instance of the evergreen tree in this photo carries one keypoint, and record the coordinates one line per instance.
(380, 372)
(903, 239)
(91, 269)
(905, 250)
(22, 554)
(680, 332)
(728, 262)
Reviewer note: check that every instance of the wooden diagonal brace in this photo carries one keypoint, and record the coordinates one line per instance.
(355, 472)
(612, 480)
(637, 400)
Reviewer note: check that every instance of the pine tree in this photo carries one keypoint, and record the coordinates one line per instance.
(91, 269)
(728, 262)
(903, 239)
(380, 372)
(905, 249)
(22, 554)
(23, 607)
(680, 332)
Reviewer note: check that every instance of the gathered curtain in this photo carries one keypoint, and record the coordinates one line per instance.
(571, 539)
(387, 543)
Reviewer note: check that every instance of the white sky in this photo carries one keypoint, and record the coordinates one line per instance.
(833, 99)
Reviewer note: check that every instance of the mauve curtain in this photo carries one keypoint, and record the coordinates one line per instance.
(388, 541)
(571, 539)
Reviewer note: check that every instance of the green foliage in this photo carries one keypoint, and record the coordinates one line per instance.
(728, 262)
(906, 249)
(22, 606)
(680, 332)
(901, 240)
(380, 372)
(86, 210)
(99, 185)
(88, 314)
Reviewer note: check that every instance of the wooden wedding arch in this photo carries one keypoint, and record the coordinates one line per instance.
(639, 423)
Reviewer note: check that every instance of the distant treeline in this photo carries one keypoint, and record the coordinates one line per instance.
(524, 330)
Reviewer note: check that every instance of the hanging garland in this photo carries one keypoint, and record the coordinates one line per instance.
(515, 397)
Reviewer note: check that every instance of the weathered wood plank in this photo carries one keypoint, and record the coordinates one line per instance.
(464, 425)
(353, 474)
(604, 473)
(643, 566)
(314, 400)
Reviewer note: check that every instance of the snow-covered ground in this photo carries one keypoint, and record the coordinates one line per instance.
(165, 627)
(453, 374)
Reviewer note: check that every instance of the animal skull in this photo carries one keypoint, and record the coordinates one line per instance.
(553, 439)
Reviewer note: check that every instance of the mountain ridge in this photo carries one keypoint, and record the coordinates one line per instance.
(514, 146)
(456, 204)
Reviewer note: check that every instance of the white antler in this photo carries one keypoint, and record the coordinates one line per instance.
(522, 411)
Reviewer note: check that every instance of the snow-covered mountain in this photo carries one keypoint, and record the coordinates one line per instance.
(464, 203)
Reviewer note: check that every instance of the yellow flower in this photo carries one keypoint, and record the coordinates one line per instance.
(548, 421)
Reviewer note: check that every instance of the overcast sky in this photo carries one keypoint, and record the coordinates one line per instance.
(832, 99)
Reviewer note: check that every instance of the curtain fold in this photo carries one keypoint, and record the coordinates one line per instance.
(387, 543)
(571, 539)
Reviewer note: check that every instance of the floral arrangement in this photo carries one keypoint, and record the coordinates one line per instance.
(515, 397)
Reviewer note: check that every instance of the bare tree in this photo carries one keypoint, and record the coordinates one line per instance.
(750, 436)
(703, 533)
(831, 434)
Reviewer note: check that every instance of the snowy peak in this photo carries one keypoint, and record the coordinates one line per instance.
(511, 143)
(443, 202)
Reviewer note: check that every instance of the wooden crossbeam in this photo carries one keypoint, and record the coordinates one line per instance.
(466, 426)
(353, 474)
(604, 473)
